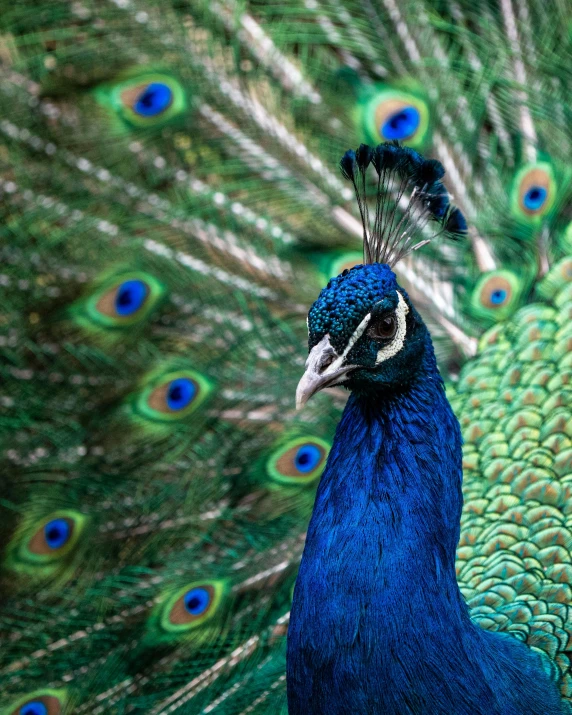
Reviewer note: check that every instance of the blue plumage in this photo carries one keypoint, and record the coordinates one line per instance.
(378, 623)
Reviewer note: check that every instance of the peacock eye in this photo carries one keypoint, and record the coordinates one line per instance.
(145, 101)
(401, 124)
(129, 297)
(496, 295)
(121, 302)
(496, 292)
(384, 328)
(41, 546)
(534, 192)
(191, 607)
(172, 396)
(55, 536)
(534, 198)
(57, 533)
(299, 461)
(391, 114)
(48, 702)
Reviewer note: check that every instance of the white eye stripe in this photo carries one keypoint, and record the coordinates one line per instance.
(358, 332)
(399, 340)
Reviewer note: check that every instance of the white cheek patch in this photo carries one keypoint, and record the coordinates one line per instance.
(399, 340)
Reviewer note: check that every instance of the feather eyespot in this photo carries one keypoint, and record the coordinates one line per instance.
(47, 702)
(300, 461)
(51, 537)
(129, 297)
(146, 100)
(496, 295)
(123, 301)
(496, 292)
(534, 198)
(172, 395)
(180, 393)
(40, 548)
(394, 115)
(535, 192)
(307, 458)
(55, 537)
(383, 328)
(192, 606)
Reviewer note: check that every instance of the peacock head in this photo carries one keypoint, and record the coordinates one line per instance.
(364, 332)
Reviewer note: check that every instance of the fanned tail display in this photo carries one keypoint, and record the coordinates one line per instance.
(171, 206)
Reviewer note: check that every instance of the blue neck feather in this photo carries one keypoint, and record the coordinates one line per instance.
(378, 623)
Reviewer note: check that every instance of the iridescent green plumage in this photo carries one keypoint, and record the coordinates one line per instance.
(182, 158)
(514, 560)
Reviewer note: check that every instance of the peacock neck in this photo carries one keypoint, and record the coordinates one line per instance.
(390, 499)
(377, 580)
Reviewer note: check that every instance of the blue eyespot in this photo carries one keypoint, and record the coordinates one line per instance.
(181, 393)
(197, 600)
(56, 533)
(307, 458)
(498, 296)
(154, 99)
(34, 708)
(130, 297)
(535, 198)
(402, 124)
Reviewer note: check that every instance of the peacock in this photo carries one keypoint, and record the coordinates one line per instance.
(171, 208)
(378, 623)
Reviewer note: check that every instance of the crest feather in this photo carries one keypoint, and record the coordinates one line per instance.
(408, 182)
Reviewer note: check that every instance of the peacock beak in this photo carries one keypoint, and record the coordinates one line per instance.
(323, 369)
